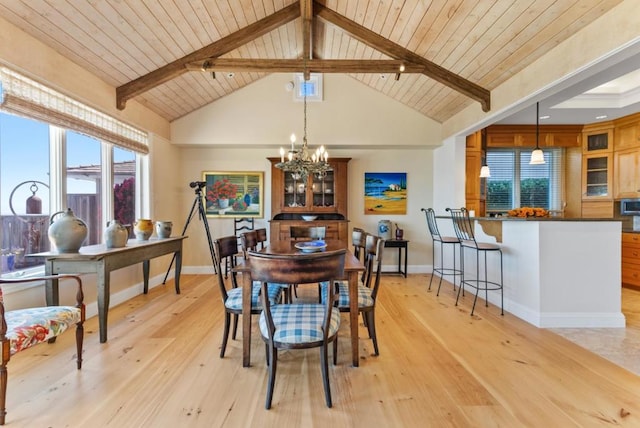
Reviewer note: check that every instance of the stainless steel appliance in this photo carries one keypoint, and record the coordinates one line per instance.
(630, 207)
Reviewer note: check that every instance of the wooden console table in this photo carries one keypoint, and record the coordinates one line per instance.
(102, 261)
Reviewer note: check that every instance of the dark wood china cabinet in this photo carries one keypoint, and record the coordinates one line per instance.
(324, 197)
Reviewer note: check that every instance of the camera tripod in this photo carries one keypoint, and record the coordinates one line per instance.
(197, 203)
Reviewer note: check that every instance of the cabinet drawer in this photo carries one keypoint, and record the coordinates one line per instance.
(631, 275)
(631, 253)
(631, 240)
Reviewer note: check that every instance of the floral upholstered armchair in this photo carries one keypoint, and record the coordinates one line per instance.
(23, 328)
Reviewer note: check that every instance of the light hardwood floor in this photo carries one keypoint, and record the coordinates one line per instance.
(437, 367)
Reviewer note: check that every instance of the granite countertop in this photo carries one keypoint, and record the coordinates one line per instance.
(507, 218)
(629, 230)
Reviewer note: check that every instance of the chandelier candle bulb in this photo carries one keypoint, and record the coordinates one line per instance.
(281, 154)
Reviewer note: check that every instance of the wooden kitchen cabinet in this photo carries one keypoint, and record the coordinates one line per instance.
(626, 166)
(627, 132)
(631, 259)
(597, 138)
(596, 176)
(511, 136)
(324, 197)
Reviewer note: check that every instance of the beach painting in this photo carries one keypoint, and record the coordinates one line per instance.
(385, 193)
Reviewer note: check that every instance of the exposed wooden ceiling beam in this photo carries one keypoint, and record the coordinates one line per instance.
(394, 50)
(298, 65)
(306, 11)
(215, 49)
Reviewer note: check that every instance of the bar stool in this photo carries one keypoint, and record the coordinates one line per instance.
(442, 241)
(464, 232)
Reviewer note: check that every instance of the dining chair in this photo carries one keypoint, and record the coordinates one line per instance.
(464, 231)
(359, 240)
(307, 232)
(304, 325)
(262, 237)
(226, 248)
(441, 241)
(250, 241)
(21, 329)
(367, 293)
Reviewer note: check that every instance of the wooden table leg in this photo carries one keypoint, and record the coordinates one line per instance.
(52, 293)
(353, 316)
(246, 319)
(176, 279)
(146, 266)
(104, 294)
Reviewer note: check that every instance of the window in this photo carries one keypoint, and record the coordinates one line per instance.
(28, 192)
(514, 183)
(57, 153)
(312, 88)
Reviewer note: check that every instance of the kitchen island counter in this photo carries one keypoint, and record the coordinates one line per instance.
(558, 272)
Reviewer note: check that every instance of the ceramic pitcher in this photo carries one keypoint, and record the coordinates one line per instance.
(67, 232)
(115, 235)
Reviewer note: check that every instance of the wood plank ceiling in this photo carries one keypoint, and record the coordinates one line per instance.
(483, 42)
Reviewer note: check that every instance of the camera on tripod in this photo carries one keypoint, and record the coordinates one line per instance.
(198, 184)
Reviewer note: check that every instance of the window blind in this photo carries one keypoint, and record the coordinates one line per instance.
(514, 183)
(25, 97)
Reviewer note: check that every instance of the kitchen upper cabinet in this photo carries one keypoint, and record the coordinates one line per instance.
(627, 132)
(511, 136)
(626, 167)
(596, 176)
(598, 138)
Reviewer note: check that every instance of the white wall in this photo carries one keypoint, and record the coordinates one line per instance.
(264, 114)
(416, 162)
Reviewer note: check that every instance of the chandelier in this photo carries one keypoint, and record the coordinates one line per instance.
(303, 162)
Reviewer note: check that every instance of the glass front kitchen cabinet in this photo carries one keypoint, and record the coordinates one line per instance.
(316, 194)
(596, 176)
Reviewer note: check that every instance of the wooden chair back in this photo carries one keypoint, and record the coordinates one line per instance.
(262, 236)
(249, 241)
(374, 248)
(358, 240)
(225, 250)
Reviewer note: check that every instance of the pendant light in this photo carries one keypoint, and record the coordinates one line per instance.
(485, 172)
(537, 157)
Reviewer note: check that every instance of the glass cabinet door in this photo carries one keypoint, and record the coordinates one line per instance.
(596, 176)
(294, 190)
(323, 189)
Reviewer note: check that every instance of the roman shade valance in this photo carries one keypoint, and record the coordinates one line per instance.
(25, 97)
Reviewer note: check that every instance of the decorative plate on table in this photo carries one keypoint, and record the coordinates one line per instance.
(311, 246)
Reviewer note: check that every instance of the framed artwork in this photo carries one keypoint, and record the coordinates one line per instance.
(233, 194)
(385, 193)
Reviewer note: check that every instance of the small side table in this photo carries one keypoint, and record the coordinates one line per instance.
(399, 244)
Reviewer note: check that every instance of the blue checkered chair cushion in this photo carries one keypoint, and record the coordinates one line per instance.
(234, 296)
(364, 295)
(299, 323)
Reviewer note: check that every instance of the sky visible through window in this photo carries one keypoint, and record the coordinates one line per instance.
(24, 156)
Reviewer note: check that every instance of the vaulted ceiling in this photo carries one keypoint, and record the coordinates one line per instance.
(454, 51)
